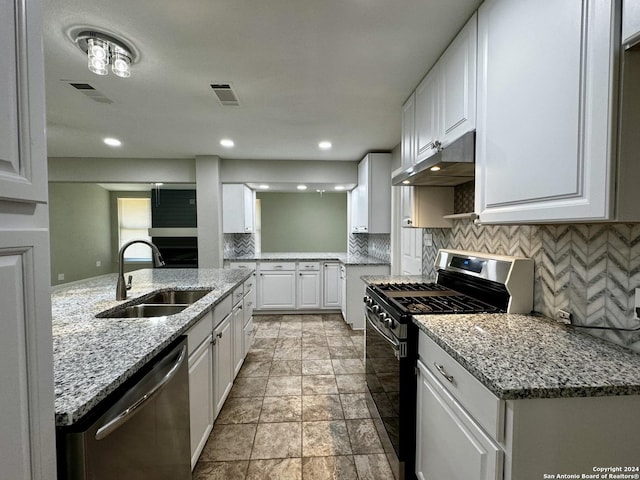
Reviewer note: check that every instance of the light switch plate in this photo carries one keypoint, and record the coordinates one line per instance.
(428, 240)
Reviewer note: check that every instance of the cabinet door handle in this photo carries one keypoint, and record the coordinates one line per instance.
(442, 372)
(219, 335)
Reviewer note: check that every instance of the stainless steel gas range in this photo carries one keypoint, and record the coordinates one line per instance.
(467, 283)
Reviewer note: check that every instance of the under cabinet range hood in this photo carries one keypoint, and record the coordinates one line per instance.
(453, 165)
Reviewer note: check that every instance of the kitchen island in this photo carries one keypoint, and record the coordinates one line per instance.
(93, 356)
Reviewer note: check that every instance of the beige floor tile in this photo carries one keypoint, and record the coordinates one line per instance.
(317, 367)
(277, 440)
(290, 333)
(314, 352)
(329, 468)
(235, 470)
(321, 407)
(259, 355)
(281, 409)
(275, 469)
(339, 341)
(314, 339)
(288, 342)
(288, 353)
(267, 332)
(240, 410)
(354, 383)
(229, 442)
(285, 385)
(249, 387)
(346, 366)
(281, 368)
(343, 352)
(319, 385)
(364, 437)
(320, 439)
(373, 467)
(264, 343)
(354, 405)
(255, 369)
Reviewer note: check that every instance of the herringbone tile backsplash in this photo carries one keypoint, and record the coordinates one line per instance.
(590, 270)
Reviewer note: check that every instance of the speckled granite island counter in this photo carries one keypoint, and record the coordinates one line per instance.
(93, 356)
(344, 258)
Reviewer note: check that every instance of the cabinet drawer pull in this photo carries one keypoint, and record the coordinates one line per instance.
(442, 372)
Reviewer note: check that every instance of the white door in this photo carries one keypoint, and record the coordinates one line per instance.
(449, 444)
(411, 252)
(27, 448)
(222, 363)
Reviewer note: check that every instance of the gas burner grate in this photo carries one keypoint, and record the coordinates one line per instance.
(442, 305)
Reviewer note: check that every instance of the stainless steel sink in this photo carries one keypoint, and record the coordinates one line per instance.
(176, 297)
(159, 304)
(144, 310)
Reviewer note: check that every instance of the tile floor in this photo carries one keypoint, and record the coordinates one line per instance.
(297, 409)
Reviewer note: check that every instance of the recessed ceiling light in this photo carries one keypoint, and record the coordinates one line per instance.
(112, 142)
(301, 187)
(324, 145)
(227, 143)
(263, 187)
(434, 169)
(158, 184)
(339, 187)
(406, 182)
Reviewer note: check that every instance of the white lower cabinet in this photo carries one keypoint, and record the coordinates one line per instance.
(200, 397)
(465, 432)
(449, 443)
(249, 335)
(277, 285)
(237, 321)
(222, 363)
(308, 290)
(354, 288)
(332, 291)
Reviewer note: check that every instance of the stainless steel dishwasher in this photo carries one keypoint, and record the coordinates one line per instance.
(144, 432)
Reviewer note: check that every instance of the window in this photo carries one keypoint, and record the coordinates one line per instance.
(134, 221)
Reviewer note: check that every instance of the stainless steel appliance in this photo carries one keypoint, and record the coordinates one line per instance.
(143, 434)
(467, 283)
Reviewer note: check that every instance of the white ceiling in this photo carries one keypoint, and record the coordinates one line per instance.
(304, 71)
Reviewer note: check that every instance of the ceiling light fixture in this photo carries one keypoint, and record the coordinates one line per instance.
(339, 187)
(112, 142)
(435, 168)
(263, 187)
(406, 182)
(301, 187)
(103, 50)
(324, 145)
(227, 143)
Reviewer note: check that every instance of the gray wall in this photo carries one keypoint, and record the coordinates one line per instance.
(304, 222)
(80, 231)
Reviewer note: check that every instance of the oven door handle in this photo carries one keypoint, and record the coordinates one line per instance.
(396, 346)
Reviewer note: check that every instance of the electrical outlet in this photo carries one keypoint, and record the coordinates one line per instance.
(98, 263)
(61, 276)
(428, 240)
(637, 304)
(563, 317)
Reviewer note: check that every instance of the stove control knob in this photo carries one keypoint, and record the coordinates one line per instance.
(376, 308)
(390, 323)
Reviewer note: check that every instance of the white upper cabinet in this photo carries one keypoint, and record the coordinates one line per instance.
(371, 199)
(408, 139)
(238, 206)
(22, 123)
(630, 22)
(545, 140)
(445, 101)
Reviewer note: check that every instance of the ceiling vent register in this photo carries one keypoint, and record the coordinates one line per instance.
(90, 92)
(226, 96)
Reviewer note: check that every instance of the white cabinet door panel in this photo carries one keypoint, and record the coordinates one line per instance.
(448, 442)
(200, 397)
(277, 290)
(544, 116)
(237, 322)
(23, 176)
(308, 294)
(427, 115)
(222, 363)
(332, 284)
(407, 142)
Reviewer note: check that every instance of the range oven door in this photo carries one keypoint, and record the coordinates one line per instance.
(382, 367)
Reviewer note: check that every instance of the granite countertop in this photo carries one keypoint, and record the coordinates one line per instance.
(529, 356)
(345, 258)
(93, 356)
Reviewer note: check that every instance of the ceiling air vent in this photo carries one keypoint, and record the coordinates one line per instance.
(226, 96)
(90, 92)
